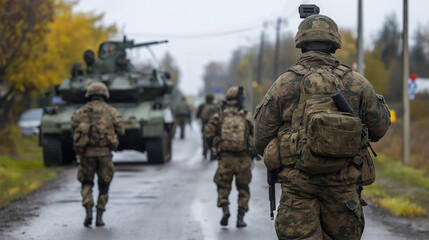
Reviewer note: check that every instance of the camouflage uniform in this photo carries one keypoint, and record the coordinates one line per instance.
(232, 164)
(182, 113)
(205, 112)
(96, 157)
(319, 206)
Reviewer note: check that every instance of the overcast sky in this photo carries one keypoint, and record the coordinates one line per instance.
(202, 31)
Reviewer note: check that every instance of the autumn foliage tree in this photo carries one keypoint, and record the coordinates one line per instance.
(23, 24)
(40, 41)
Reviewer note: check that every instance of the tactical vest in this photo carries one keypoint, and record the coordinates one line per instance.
(322, 139)
(233, 131)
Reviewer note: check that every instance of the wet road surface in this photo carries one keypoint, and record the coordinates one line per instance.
(172, 201)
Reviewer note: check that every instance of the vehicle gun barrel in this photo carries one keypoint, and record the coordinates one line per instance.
(132, 45)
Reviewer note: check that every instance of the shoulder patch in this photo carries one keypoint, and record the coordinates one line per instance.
(298, 69)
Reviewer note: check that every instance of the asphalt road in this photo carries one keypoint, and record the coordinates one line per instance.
(172, 201)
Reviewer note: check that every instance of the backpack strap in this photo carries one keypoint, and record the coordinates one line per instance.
(298, 69)
(341, 70)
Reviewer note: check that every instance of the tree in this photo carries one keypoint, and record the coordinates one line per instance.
(347, 53)
(47, 53)
(419, 54)
(214, 77)
(22, 25)
(388, 41)
(168, 64)
(376, 71)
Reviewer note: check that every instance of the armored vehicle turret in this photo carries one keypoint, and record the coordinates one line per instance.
(142, 99)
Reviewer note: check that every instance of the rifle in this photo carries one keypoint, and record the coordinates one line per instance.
(344, 106)
(272, 179)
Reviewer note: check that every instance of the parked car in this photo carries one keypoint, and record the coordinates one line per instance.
(29, 122)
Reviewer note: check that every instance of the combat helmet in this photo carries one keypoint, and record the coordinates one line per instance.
(97, 88)
(318, 28)
(209, 98)
(232, 93)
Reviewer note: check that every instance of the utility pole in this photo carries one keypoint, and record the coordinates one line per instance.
(261, 53)
(249, 81)
(277, 50)
(405, 99)
(360, 40)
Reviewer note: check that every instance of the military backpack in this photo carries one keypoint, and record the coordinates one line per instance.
(322, 139)
(234, 135)
(95, 129)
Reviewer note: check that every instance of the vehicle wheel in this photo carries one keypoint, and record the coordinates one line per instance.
(52, 151)
(159, 149)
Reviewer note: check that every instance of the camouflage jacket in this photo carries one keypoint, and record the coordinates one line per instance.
(113, 119)
(207, 111)
(212, 129)
(182, 110)
(275, 112)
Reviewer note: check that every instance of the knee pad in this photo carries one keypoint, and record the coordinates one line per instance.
(87, 183)
(103, 188)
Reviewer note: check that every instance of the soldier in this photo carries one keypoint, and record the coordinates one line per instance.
(205, 112)
(320, 191)
(182, 112)
(230, 136)
(95, 129)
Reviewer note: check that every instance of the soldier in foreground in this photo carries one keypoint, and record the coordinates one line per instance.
(230, 135)
(182, 112)
(320, 154)
(95, 128)
(205, 112)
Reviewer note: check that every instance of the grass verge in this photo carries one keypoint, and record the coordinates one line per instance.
(23, 171)
(403, 191)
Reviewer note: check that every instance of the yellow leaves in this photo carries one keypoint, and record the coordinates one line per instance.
(347, 53)
(49, 61)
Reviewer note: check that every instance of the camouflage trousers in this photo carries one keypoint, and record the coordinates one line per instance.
(205, 145)
(309, 211)
(181, 122)
(228, 167)
(88, 167)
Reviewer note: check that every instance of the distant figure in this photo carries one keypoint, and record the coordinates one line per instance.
(229, 134)
(182, 113)
(95, 128)
(205, 112)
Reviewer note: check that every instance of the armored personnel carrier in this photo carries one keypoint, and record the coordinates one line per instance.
(142, 99)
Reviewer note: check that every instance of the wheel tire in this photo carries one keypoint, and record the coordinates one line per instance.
(52, 150)
(159, 149)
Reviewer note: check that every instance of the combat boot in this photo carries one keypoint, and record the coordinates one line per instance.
(226, 215)
(99, 221)
(88, 218)
(240, 221)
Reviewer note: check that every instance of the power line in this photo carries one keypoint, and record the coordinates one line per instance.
(197, 35)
